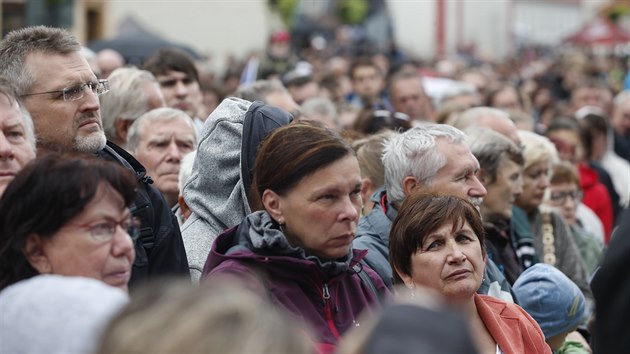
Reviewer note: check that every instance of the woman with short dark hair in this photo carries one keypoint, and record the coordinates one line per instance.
(68, 215)
(438, 242)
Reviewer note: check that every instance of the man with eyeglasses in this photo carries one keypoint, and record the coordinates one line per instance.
(61, 92)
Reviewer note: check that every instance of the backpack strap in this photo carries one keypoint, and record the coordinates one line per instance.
(365, 279)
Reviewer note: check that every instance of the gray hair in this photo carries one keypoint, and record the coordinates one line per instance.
(322, 106)
(18, 44)
(488, 147)
(472, 116)
(164, 114)
(126, 98)
(414, 153)
(258, 90)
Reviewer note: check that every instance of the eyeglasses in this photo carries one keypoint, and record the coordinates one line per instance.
(561, 197)
(105, 230)
(76, 92)
(382, 113)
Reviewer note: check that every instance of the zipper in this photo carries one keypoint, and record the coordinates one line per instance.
(328, 312)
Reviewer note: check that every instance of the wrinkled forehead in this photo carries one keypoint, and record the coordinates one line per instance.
(55, 71)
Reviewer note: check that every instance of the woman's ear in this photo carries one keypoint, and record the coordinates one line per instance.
(406, 278)
(367, 188)
(273, 204)
(34, 252)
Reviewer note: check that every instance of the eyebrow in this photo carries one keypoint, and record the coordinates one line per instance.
(18, 124)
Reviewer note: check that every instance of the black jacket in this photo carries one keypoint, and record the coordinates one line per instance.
(160, 249)
(611, 290)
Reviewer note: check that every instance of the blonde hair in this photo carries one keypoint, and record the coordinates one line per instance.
(218, 318)
(369, 153)
(537, 148)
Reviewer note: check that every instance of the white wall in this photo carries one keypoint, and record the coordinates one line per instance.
(547, 23)
(221, 27)
(213, 27)
(414, 25)
(482, 22)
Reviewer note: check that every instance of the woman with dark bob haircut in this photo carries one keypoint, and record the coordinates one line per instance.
(298, 250)
(436, 241)
(67, 215)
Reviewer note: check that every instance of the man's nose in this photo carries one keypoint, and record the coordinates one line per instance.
(89, 101)
(174, 153)
(477, 190)
(181, 89)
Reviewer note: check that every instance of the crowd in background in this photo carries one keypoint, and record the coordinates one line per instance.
(378, 202)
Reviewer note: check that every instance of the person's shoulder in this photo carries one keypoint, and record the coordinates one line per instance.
(500, 307)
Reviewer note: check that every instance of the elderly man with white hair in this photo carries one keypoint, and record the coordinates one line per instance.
(429, 157)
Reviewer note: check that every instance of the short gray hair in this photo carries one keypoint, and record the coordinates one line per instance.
(414, 153)
(322, 106)
(163, 114)
(472, 116)
(126, 99)
(488, 147)
(18, 44)
(258, 90)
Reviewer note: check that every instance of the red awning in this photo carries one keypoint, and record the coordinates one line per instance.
(599, 31)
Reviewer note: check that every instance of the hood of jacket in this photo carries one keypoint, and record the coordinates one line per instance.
(259, 240)
(216, 192)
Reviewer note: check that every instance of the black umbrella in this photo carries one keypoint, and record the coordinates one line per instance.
(136, 44)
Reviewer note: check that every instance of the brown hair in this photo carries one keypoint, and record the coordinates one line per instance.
(374, 121)
(47, 193)
(293, 152)
(564, 172)
(361, 62)
(422, 213)
(172, 59)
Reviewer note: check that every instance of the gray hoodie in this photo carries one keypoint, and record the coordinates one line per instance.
(216, 192)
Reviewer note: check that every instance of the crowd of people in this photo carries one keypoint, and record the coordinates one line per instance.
(348, 202)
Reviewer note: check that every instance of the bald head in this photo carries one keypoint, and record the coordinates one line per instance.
(491, 118)
(109, 60)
